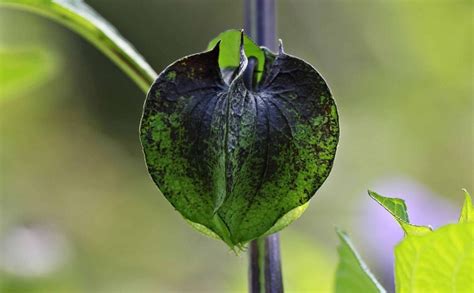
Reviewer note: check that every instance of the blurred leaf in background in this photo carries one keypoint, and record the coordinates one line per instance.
(23, 69)
(352, 273)
(81, 18)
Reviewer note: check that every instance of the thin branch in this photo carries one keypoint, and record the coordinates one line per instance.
(81, 18)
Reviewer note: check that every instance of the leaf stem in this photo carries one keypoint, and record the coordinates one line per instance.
(264, 253)
(81, 18)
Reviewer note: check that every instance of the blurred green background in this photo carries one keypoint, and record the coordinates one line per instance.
(78, 212)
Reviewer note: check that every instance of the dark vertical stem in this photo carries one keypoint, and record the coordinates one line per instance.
(273, 277)
(264, 253)
(260, 22)
(257, 266)
(254, 269)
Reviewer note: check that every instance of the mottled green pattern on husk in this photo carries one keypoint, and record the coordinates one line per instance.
(236, 160)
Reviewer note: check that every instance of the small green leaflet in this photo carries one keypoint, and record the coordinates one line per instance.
(352, 274)
(229, 58)
(240, 159)
(467, 212)
(398, 209)
(80, 17)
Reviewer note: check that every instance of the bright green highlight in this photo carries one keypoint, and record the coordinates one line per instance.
(81, 18)
(398, 209)
(352, 274)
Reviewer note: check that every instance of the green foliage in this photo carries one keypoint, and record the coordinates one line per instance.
(425, 260)
(397, 208)
(240, 162)
(441, 261)
(80, 17)
(229, 57)
(352, 274)
(23, 69)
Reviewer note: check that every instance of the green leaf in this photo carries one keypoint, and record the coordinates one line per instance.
(21, 69)
(352, 274)
(204, 230)
(441, 261)
(467, 212)
(398, 209)
(237, 160)
(229, 54)
(81, 18)
(433, 261)
(287, 219)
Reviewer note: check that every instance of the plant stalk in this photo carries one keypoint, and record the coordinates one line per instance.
(82, 19)
(260, 22)
(264, 253)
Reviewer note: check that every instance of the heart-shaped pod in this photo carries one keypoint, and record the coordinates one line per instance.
(235, 160)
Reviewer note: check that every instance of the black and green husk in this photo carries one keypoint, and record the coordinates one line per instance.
(232, 159)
